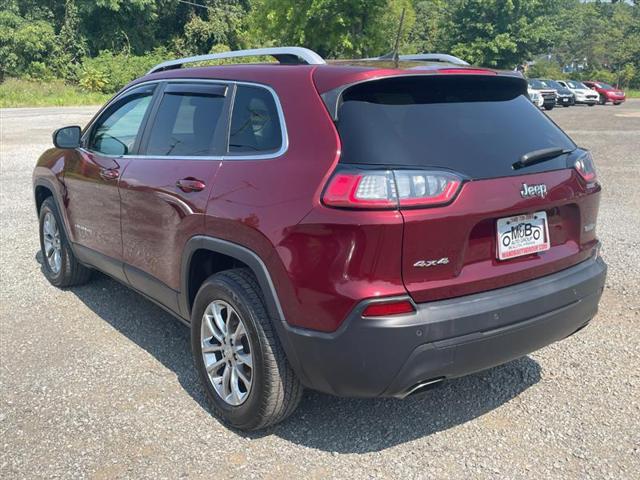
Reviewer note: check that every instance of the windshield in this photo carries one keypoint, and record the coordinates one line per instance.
(577, 85)
(553, 84)
(605, 86)
(538, 84)
(475, 125)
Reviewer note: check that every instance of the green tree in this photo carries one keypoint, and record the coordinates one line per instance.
(333, 28)
(545, 69)
(500, 33)
(220, 23)
(429, 32)
(25, 45)
(71, 46)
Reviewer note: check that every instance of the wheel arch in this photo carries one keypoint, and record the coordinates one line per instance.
(44, 188)
(240, 256)
(41, 193)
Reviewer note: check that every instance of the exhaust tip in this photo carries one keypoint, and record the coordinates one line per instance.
(422, 387)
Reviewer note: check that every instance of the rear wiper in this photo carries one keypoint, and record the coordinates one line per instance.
(538, 156)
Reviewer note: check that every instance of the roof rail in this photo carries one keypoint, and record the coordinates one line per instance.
(432, 57)
(285, 55)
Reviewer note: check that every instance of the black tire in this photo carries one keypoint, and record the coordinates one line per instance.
(602, 100)
(592, 104)
(71, 272)
(565, 106)
(275, 391)
(548, 107)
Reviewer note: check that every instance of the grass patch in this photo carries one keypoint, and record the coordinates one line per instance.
(632, 93)
(25, 93)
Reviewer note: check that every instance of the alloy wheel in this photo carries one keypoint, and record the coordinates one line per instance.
(52, 245)
(226, 352)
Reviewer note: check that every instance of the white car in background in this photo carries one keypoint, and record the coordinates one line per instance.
(535, 97)
(583, 93)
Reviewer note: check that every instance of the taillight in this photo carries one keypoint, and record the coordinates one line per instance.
(585, 167)
(391, 188)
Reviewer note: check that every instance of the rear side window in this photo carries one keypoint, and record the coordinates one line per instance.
(189, 122)
(476, 125)
(255, 123)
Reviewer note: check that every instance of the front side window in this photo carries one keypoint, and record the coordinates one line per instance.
(255, 124)
(115, 133)
(189, 122)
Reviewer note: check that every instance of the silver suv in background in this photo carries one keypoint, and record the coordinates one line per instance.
(584, 95)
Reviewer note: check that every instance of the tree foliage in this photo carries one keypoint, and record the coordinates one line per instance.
(101, 43)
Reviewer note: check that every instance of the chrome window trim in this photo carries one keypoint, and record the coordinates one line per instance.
(284, 147)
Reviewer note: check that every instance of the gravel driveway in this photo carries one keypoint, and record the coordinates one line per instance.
(97, 382)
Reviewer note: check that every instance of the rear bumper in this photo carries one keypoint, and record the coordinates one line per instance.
(371, 357)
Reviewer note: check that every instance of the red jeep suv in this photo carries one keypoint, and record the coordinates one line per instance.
(365, 231)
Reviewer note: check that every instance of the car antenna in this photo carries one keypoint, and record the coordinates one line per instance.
(395, 55)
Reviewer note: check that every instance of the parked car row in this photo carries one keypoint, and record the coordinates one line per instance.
(549, 93)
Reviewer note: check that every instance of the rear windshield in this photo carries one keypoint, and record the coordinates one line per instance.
(476, 125)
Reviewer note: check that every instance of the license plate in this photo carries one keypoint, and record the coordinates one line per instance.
(565, 100)
(523, 235)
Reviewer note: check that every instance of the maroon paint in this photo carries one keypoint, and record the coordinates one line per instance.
(158, 217)
(465, 233)
(92, 201)
(322, 260)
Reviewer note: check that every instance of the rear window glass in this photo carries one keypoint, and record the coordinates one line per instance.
(255, 125)
(186, 124)
(476, 125)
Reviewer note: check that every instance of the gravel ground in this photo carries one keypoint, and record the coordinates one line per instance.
(97, 382)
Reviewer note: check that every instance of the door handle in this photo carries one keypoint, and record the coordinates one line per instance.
(191, 184)
(109, 173)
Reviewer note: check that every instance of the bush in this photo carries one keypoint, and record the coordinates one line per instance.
(109, 72)
(23, 43)
(545, 69)
(598, 74)
(94, 80)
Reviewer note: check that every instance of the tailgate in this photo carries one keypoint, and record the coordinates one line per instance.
(465, 233)
(510, 160)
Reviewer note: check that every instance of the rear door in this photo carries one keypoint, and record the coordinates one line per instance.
(477, 127)
(92, 174)
(164, 190)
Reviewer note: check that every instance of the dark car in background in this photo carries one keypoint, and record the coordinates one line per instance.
(607, 92)
(564, 96)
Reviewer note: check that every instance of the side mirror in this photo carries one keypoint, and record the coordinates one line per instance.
(67, 137)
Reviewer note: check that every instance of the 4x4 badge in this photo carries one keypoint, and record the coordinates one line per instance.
(538, 190)
(431, 263)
